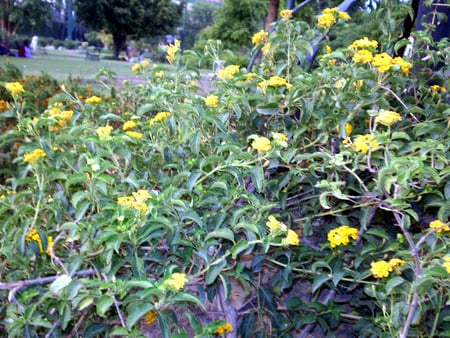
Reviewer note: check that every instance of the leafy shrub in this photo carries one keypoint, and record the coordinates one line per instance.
(282, 202)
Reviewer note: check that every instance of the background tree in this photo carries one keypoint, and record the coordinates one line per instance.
(29, 15)
(201, 15)
(125, 18)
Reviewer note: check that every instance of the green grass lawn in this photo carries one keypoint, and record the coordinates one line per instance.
(62, 64)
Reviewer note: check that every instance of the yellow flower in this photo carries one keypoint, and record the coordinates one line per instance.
(161, 116)
(436, 89)
(144, 64)
(172, 51)
(362, 143)
(395, 263)
(134, 134)
(224, 328)
(261, 144)
(15, 88)
(128, 125)
(159, 74)
(380, 269)
(387, 117)
(291, 238)
(260, 37)
(94, 99)
(280, 139)
(33, 156)
(266, 48)
(33, 236)
(103, 131)
(141, 196)
(348, 128)
(150, 317)
(341, 235)
(176, 281)
(276, 81)
(326, 20)
(364, 43)
(135, 68)
(363, 56)
(286, 14)
(344, 16)
(273, 224)
(405, 66)
(135, 201)
(228, 72)
(328, 49)
(439, 226)
(446, 263)
(212, 101)
(382, 61)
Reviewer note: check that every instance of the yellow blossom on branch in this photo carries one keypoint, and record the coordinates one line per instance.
(128, 125)
(33, 236)
(259, 37)
(383, 62)
(261, 144)
(212, 101)
(291, 238)
(94, 99)
(439, 226)
(277, 81)
(266, 48)
(286, 14)
(405, 66)
(103, 132)
(446, 263)
(342, 235)
(15, 88)
(380, 269)
(396, 263)
(436, 89)
(330, 16)
(227, 327)
(364, 43)
(280, 139)
(150, 317)
(135, 68)
(134, 134)
(387, 117)
(362, 56)
(161, 116)
(362, 143)
(274, 225)
(228, 72)
(176, 280)
(33, 156)
(172, 51)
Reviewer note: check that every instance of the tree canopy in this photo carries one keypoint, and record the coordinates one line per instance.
(125, 18)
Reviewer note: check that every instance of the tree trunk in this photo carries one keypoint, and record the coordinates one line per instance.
(272, 13)
(119, 41)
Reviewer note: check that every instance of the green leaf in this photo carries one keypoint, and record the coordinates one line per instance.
(146, 108)
(238, 248)
(136, 311)
(214, 271)
(221, 233)
(319, 280)
(59, 284)
(103, 304)
(183, 297)
(257, 176)
(94, 330)
(79, 196)
(392, 283)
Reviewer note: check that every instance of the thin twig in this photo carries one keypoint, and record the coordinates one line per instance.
(400, 101)
(116, 303)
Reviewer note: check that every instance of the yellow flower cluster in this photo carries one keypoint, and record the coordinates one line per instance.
(342, 235)
(176, 281)
(276, 227)
(33, 156)
(128, 125)
(134, 134)
(228, 72)
(261, 144)
(103, 132)
(15, 88)
(387, 117)
(439, 226)
(446, 263)
(139, 66)
(362, 56)
(150, 317)
(330, 16)
(280, 139)
(172, 51)
(33, 236)
(94, 99)
(363, 43)
(161, 116)
(212, 101)
(159, 74)
(274, 81)
(260, 37)
(436, 89)
(135, 201)
(382, 269)
(348, 128)
(227, 327)
(266, 48)
(362, 143)
(62, 116)
(286, 14)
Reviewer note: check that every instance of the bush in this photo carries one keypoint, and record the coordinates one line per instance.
(282, 202)
(71, 44)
